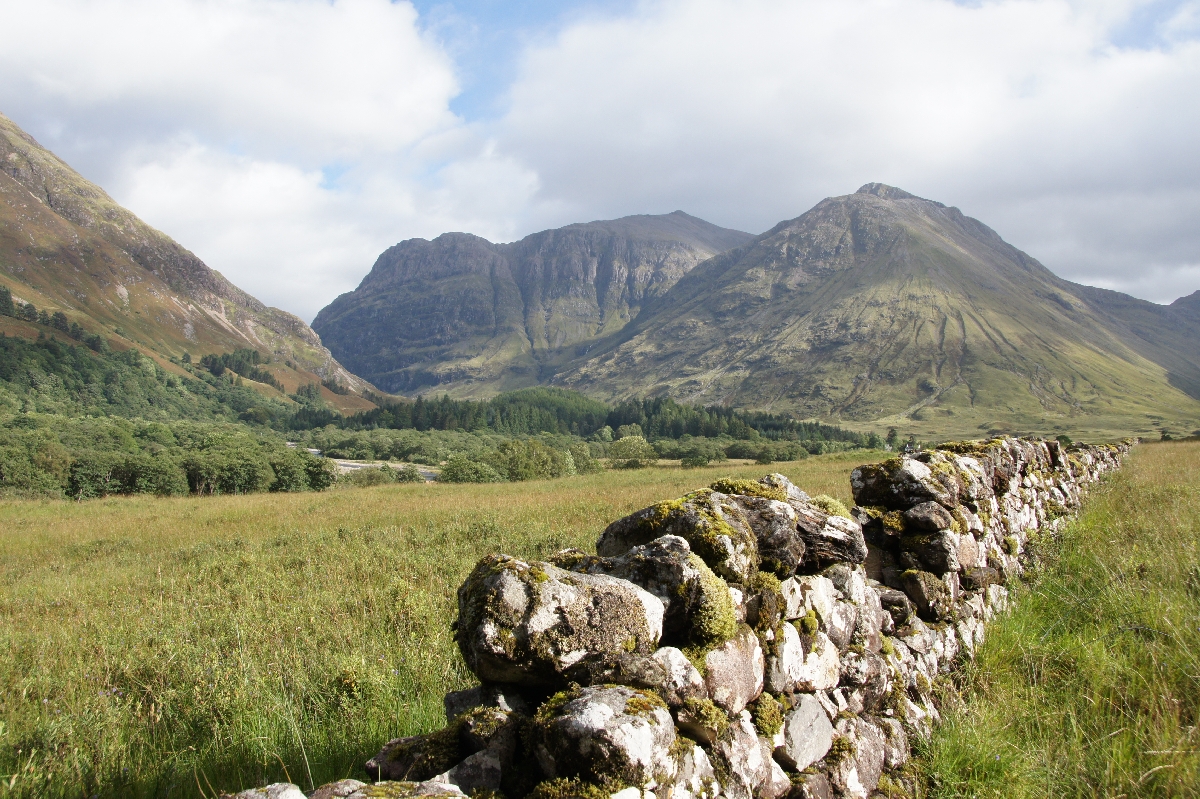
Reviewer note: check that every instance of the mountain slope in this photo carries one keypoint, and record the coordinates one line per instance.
(469, 317)
(65, 245)
(880, 307)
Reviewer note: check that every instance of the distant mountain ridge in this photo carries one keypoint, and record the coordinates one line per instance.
(886, 308)
(66, 245)
(462, 315)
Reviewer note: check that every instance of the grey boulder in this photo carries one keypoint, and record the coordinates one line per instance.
(528, 623)
(607, 732)
(711, 522)
(734, 672)
(807, 734)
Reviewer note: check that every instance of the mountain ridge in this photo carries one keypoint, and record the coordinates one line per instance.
(458, 312)
(66, 245)
(883, 307)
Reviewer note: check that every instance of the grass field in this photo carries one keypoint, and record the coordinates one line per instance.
(1091, 687)
(183, 647)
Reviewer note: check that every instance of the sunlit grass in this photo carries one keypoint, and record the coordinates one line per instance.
(182, 647)
(1091, 687)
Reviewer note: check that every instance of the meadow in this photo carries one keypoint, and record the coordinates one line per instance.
(185, 646)
(1090, 687)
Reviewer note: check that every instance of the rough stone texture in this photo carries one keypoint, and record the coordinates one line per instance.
(527, 623)
(935, 552)
(928, 516)
(899, 484)
(734, 672)
(857, 773)
(807, 734)
(821, 665)
(744, 758)
(812, 786)
(392, 789)
(781, 547)
(829, 539)
(278, 790)
(458, 702)
(777, 783)
(711, 522)
(698, 607)
(683, 680)
(851, 658)
(599, 732)
(785, 663)
(695, 778)
(929, 594)
(480, 771)
(337, 790)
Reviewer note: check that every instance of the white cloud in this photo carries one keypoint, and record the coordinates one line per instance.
(288, 142)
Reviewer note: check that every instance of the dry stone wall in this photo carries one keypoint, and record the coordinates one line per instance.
(746, 640)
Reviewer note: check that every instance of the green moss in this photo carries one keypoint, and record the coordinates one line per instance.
(767, 714)
(553, 706)
(959, 524)
(430, 754)
(706, 714)
(1011, 545)
(893, 522)
(569, 788)
(538, 573)
(808, 624)
(644, 703)
(389, 790)
(749, 488)
(842, 749)
(923, 684)
(714, 619)
(897, 700)
(831, 506)
(886, 646)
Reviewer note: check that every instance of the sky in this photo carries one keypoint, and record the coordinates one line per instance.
(289, 142)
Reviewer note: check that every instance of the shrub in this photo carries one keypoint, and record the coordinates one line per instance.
(581, 454)
(460, 469)
(408, 473)
(632, 452)
(530, 459)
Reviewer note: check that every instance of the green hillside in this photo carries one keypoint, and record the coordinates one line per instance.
(883, 309)
(66, 247)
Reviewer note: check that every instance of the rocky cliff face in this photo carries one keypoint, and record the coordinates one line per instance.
(883, 307)
(66, 245)
(464, 315)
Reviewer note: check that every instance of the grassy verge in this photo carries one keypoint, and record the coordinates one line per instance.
(1091, 687)
(181, 647)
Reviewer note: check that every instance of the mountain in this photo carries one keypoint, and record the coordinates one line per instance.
(462, 315)
(66, 246)
(881, 308)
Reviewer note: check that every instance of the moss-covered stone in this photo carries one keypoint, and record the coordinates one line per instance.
(831, 506)
(714, 618)
(767, 713)
(712, 524)
(749, 488)
(702, 720)
(570, 788)
(841, 750)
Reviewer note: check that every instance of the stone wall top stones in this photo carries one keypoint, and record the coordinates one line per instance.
(744, 640)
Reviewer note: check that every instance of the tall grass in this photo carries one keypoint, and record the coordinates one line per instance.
(1091, 687)
(183, 647)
